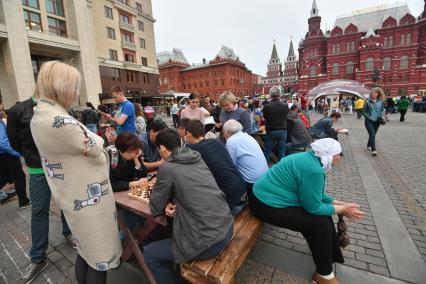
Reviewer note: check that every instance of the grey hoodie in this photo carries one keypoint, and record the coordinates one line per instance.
(202, 214)
(297, 130)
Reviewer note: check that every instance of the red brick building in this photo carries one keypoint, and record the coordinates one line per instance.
(224, 73)
(387, 41)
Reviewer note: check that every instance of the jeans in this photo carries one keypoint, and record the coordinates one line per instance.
(11, 171)
(372, 127)
(159, 258)
(175, 120)
(40, 200)
(92, 127)
(402, 112)
(279, 136)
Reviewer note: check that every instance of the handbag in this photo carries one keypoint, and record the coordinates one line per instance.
(342, 232)
(382, 121)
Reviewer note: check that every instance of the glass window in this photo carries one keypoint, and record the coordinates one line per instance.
(131, 76)
(390, 41)
(402, 39)
(110, 33)
(313, 71)
(348, 46)
(31, 3)
(335, 69)
(139, 7)
(116, 74)
(403, 62)
(146, 79)
(55, 7)
(126, 37)
(144, 61)
(338, 48)
(349, 67)
(142, 43)
(113, 54)
(141, 26)
(369, 64)
(108, 12)
(408, 38)
(129, 57)
(387, 63)
(125, 18)
(385, 42)
(333, 49)
(32, 21)
(57, 27)
(353, 46)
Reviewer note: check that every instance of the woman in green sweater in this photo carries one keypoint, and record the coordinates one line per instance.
(292, 195)
(403, 107)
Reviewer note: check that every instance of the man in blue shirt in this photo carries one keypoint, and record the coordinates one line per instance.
(245, 152)
(151, 157)
(11, 168)
(125, 116)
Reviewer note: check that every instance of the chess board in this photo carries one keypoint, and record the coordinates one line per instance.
(141, 193)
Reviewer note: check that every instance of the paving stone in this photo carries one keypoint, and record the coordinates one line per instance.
(378, 269)
(356, 263)
(370, 259)
(375, 253)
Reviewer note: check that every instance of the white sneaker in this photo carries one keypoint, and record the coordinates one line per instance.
(374, 153)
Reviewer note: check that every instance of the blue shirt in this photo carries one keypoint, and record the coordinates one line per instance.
(247, 155)
(5, 147)
(128, 109)
(150, 151)
(373, 110)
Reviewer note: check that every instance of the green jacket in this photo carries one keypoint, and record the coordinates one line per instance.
(297, 180)
(403, 104)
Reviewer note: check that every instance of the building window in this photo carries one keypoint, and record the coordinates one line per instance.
(349, 67)
(313, 71)
(144, 61)
(408, 39)
(32, 21)
(57, 27)
(126, 37)
(55, 7)
(335, 69)
(338, 48)
(385, 42)
(348, 46)
(125, 19)
(390, 41)
(353, 46)
(110, 33)
(333, 49)
(207, 83)
(31, 3)
(402, 39)
(108, 12)
(403, 62)
(146, 79)
(402, 92)
(139, 7)
(369, 64)
(129, 57)
(141, 26)
(113, 54)
(126, 2)
(131, 76)
(142, 43)
(387, 63)
(116, 74)
(406, 77)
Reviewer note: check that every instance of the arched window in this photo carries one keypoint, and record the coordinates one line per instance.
(369, 64)
(390, 41)
(402, 39)
(403, 62)
(385, 42)
(335, 69)
(313, 71)
(349, 67)
(408, 38)
(387, 63)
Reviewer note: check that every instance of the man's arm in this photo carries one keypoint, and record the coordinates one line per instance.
(153, 165)
(162, 192)
(13, 128)
(4, 142)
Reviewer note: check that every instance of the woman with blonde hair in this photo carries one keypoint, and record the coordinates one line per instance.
(76, 168)
(230, 110)
(373, 113)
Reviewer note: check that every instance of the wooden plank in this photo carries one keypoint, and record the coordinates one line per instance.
(203, 266)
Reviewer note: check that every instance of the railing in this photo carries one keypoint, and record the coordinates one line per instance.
(127, 26)
(128, 45)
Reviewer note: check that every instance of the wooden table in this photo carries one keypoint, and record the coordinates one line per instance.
(139, 235)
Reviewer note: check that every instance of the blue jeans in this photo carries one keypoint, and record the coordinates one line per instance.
(92, 127)
(372, 127)
(40, 200)
(279, 136)
(159, 258)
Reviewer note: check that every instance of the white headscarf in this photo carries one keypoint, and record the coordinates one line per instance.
(325, 149)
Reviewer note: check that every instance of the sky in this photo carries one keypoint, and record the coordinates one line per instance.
(200, 27)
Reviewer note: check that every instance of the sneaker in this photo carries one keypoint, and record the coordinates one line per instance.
(374, 153)
(71, 241)
(24, 204)
(33, 270)
(368, 148)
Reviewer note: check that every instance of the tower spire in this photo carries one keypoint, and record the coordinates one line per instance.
(291, 49)
(274, 54)
(314, 10)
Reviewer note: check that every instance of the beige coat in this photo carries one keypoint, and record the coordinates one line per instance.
(77, 173)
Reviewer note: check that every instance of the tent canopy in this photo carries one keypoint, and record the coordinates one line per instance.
(337, 87)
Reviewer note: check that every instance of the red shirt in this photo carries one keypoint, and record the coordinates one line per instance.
(303, 102)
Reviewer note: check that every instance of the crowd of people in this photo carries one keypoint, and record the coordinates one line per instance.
(209, 168)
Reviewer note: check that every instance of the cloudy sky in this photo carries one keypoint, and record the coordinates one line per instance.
(200, 27)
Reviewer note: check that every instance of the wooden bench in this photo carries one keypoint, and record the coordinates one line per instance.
(224, 267)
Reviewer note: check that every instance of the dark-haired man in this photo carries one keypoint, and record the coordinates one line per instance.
(186, 191)
(125, 116)
(183, 123)
(220, 164)
(152, 159)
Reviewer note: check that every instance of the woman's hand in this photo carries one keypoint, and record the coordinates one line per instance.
(140, 182)
(170, 210)
(351, 211)
(136, 160)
